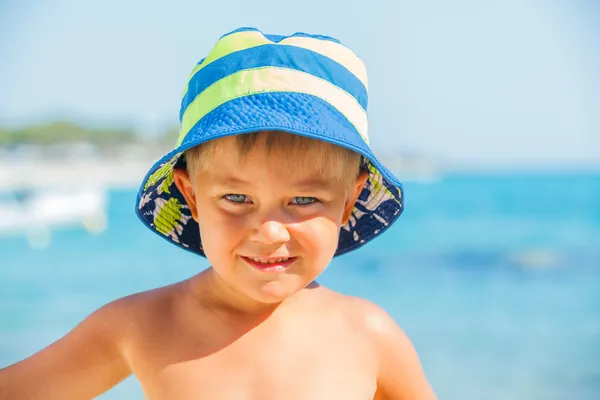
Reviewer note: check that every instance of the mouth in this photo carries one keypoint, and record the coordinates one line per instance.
(270, 264)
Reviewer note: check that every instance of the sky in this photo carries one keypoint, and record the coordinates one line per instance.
(506, 84)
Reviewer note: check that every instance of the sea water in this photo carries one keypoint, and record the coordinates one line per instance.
(496, 279)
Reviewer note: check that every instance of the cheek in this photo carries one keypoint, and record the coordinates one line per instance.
(219, 233)
(319, 236)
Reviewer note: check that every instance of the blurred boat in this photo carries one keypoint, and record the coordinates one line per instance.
(35, 213)
(414, 168)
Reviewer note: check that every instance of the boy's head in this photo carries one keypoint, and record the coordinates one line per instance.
(272, 194)
(269, 206)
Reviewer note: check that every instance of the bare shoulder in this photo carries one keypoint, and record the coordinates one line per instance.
(364, 315)
(133, 314)
(87, 361)
(400, 375)
(124, 307)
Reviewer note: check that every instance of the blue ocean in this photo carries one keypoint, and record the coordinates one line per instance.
(495, 278)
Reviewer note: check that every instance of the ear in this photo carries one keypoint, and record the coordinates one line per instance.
(184, 184)
(357, 187)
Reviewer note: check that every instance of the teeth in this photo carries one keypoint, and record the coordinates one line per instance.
(269, 261)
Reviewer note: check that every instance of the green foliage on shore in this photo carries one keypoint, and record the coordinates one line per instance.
(65, 132)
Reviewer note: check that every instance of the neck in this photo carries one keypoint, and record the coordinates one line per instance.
(212, 290)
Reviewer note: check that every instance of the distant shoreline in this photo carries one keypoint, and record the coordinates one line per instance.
(65, 174)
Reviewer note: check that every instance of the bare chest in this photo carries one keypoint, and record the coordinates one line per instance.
(311, 363)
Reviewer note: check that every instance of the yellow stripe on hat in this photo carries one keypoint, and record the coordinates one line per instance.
(247, 39)
(272, 79)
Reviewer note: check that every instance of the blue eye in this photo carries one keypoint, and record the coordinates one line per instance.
(236, 198)
(304, 201)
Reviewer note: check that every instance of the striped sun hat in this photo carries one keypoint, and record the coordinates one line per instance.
(309, 85)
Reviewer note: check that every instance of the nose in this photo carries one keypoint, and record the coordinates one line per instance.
(271, 232)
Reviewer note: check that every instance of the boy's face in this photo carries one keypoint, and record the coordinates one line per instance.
(269, 222)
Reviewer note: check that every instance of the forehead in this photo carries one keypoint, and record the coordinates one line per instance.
(289, 158)
(314, 159)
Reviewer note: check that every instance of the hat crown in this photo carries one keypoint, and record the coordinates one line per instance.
(247, 61)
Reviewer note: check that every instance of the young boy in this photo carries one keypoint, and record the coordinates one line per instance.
(272, 176)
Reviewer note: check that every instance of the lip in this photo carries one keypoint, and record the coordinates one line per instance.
(272, 268)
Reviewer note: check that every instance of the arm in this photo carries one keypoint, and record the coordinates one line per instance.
(83, 364)
(400, 375)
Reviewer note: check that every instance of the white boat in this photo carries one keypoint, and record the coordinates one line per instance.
(35, 213)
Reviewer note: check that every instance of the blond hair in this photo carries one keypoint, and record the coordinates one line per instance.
(331, 160)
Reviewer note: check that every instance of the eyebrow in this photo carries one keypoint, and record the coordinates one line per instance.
(230, 180)
(311, 182)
